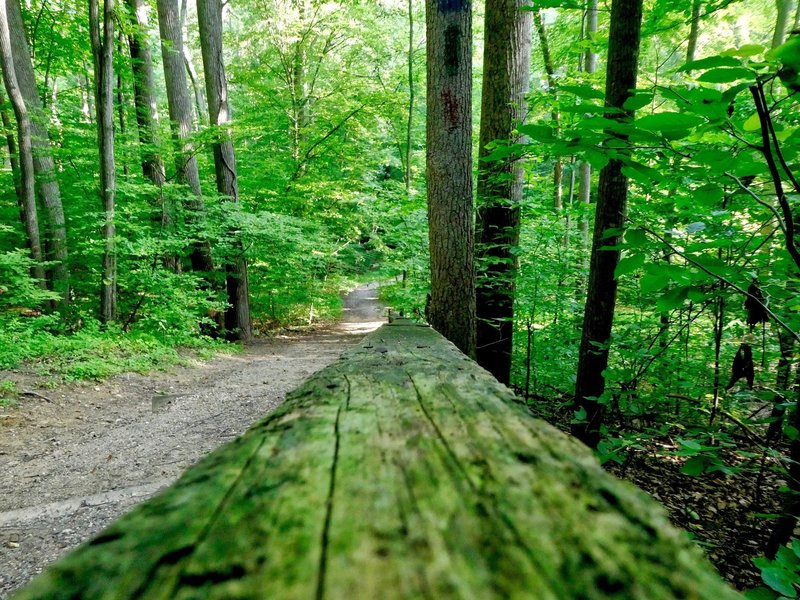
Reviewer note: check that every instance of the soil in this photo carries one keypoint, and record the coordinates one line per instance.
(77, 457)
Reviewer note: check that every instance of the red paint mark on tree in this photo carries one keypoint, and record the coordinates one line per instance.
(452, 110)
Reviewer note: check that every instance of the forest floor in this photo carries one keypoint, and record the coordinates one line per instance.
(76, 457)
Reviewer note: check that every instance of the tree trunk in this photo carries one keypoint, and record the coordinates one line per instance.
(122, 115)
(11, 144)
(27, 183)
(612, 197)
(506, 74)
(585, 170)
(411, 96)
(209, 18)
(180, 115)
(102, 53)
(449, 170)
(43, 163)
(144, 95)
(786, 13)
(549, 67)
(694, 31)
(197, 88)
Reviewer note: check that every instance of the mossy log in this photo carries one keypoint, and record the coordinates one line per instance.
(402, 471)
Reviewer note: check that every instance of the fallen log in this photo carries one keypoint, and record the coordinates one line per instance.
(402, 471)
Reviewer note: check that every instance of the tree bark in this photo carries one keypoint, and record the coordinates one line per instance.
(144, 95)
(506, 74)
(197, 88)
(549, 67)
(102, 53)
(449, 170)
(11, 144)
(785, 13)
(27, 182)
(585, 169)
(694, 31)
(209, 18)
(411, 96)
(180, 115)
(43, 163)
(612, 197)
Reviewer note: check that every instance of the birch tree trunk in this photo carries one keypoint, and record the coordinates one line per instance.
(612, 199)
(27, 183)
(102, 53)
(506, 75)
(209, 18)
(449, 170)
(43, 163)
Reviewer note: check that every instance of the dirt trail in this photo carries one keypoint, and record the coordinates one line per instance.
(71, 465)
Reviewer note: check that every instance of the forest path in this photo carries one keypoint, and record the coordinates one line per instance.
(70, 466)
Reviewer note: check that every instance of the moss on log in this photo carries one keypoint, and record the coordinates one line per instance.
(402, 471)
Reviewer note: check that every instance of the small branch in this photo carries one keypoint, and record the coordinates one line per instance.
(722, 279)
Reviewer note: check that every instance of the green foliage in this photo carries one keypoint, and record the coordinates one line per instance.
(782, 575)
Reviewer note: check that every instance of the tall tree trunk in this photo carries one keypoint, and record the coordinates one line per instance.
(783, 20)
(209, 18)
(411, 96)
(506, 74)
(694, 31)
(549, 67)
(299, 91)
(197, 88)
(612, 199)
(11, 144)
(102, 53)
(144, 98)
(180, 115)
(43, 163)
(449, 170)
(27, 183)
(585, 169)
(122, 114)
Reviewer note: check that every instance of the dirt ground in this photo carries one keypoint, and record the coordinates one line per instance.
(78, 457)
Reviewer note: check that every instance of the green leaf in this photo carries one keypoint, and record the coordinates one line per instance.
(709, 63)
(629, 264)
(668, 121)
(753, 123)
(652, 282)
(760, 593)
(539, 133)
(586, 92)
(779, 580)
(642, 173)
(637, 101)
(672, 299)
(694, 466)
(636, 238)
(725, 75)
(745, 51)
